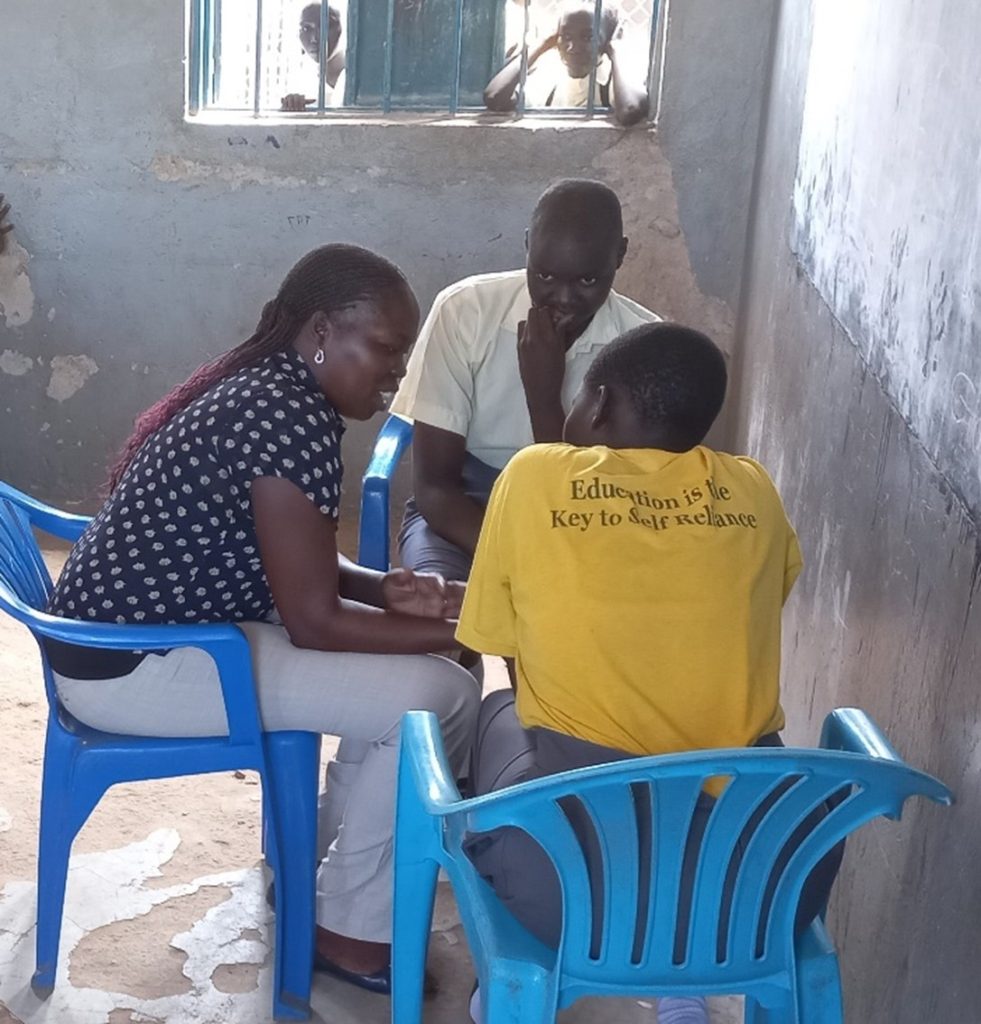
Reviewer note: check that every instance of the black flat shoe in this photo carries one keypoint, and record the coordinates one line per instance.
(380, 982)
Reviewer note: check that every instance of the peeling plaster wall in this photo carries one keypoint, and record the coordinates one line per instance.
(880, 246)
(144, 244)
(886, 615)
(16, 293)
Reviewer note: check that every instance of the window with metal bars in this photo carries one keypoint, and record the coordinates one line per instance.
(330, 58)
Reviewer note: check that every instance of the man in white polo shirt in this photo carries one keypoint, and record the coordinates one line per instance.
(498, 362)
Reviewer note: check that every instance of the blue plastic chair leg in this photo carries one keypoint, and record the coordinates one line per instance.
(818, 978)
(265, 828)
(413, 916)
(54, 848)
(756, 1013)
(293, 767)
(68, 797)
(818, 986)
(517, 992)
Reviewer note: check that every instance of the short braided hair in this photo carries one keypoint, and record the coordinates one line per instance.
(674, 376)
(328, 279)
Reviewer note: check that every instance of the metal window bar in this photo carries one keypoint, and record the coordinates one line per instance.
(216, 54)
(594, 44)
(389, 57)
(519, 110)
(457, 59)
(197, 65)
(659, 13)
(205, 41)
(194, 60)
(351, 57)
(204, 52)
(324, 45)
(652, 47)
(257, 94)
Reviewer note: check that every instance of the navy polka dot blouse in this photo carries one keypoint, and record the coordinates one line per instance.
(176, 542)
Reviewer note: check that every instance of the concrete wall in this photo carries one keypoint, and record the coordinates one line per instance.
(886, 614)
(145, 244)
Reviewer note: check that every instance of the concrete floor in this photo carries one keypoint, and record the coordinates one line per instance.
(165, 919)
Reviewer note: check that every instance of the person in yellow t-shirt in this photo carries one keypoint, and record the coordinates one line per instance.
(637, 580)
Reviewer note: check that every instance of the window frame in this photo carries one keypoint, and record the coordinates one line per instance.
(204, 72)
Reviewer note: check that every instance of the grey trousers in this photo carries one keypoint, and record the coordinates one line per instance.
(423, 549)
(520, 872)
(358, 697)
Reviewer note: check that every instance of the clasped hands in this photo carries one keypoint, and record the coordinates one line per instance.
(422, 593)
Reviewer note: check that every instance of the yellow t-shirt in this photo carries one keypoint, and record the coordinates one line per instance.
(640, 593)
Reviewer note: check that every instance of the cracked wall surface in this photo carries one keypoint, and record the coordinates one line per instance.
(886, 615)
(154, 242)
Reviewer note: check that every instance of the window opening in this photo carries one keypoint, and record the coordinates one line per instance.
(339, 57)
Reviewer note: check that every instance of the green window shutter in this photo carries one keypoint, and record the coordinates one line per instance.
(424, 51)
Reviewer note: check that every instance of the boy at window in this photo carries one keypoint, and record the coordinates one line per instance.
(499, 359)
(637, 579)
(560, 66)
(310, 41)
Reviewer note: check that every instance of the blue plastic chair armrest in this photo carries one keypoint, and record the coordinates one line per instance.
(853, 731)
(113, 636)
(224, 642)
(422, 746)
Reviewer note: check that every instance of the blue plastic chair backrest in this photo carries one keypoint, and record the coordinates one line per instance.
(25, 585)
(641, 811)
(23, 575)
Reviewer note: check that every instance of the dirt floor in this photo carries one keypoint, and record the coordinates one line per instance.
(165, 918)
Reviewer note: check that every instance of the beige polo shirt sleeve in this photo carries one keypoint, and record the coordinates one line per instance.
(438, 387)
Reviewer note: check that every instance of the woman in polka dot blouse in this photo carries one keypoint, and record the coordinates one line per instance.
(223, 507)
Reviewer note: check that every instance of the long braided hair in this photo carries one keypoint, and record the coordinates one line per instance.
(328, 279)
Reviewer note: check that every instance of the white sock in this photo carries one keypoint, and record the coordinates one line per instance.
(475, 1014)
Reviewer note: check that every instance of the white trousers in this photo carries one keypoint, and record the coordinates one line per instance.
(359, 697)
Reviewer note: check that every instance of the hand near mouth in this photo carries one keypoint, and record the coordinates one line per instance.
(563, 324)
(541, 363)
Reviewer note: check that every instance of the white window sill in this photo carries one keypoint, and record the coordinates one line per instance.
(563, 121)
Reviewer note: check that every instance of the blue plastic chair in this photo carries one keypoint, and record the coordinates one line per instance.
(81, 763)
(751, 950)
(373, 539)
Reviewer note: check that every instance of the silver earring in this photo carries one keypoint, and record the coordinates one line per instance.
(319, 357)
